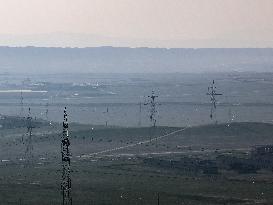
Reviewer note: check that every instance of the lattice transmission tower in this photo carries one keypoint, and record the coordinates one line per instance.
(66, 159)
(46, 111)
(212, 93)
(140, 111)
(29, 144)
(21, 105)
(153, 108)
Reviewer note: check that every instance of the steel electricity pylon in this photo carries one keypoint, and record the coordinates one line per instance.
(153, 108)
(139, 117)
(106, 113)
(212, 93)
(21, 105)
(66, 160)
(46, 112)
(29, 145)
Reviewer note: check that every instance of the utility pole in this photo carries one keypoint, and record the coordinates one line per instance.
(212, 93)
(66, 156)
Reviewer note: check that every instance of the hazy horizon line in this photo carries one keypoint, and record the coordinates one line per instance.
(140, 47)
(133, 73)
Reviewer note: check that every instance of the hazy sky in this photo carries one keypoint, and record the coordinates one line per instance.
(155, 23)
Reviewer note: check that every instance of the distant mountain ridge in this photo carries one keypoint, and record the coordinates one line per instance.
(133, 60)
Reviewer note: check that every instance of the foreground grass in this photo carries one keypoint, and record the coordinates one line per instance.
(114, 180)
